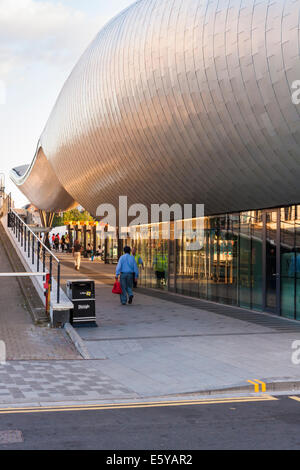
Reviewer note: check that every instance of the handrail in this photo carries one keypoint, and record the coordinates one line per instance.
(21, 274)
(29, 229)
(28, 239)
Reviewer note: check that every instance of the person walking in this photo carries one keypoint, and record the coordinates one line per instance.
(89, 251)
(77, 254)
(128, 271)
(56, 242)
(47, 241)
(160, 266)
(139, 263)
(53, 240)
(63, 243)
(67, 240)
(98, 253)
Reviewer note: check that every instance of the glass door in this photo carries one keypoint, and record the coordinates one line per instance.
(289, 267)
(272, 261)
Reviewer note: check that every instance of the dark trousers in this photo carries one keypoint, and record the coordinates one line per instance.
(126, 281)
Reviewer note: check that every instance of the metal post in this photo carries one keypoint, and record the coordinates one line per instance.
(33, 250)
(50, 271)
(70, 236)
(44, 259)
(84, 237)
(264, 254)
(58, 283)
(94, 238)
(38, 256)
(106, 245)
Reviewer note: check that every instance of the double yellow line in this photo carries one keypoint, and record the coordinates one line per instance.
(133, 405)
(256, 384)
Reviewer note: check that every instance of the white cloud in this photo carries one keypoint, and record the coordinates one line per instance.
(42, 31)
(31, 20)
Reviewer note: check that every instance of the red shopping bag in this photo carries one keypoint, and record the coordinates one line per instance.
(117, 289)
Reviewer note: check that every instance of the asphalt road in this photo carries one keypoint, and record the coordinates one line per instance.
(271, 424)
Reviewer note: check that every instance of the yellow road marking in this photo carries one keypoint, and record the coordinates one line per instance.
(263, 385)
(117, 406)
(297, 398)
(256, 386)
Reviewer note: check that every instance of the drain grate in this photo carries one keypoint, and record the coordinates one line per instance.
(11, 437)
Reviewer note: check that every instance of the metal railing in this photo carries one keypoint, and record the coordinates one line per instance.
(38, 254)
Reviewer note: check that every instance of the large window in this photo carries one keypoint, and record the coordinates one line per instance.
(155, 256)
(210, 271)
(251, 260)
(288, 263)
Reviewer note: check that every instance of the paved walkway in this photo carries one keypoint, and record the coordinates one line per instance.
(155, 348)
(158, 347)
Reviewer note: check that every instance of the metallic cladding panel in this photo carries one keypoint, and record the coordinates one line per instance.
(41, 186)
(185, 101)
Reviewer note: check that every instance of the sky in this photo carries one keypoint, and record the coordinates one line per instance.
(40, 43)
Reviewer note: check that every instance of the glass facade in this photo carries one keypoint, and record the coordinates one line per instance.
(249, 259)
(155, 256)
(290, 262)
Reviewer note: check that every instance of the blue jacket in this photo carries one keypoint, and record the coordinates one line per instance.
(127, 264)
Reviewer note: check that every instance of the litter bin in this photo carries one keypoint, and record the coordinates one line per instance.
(82, 294)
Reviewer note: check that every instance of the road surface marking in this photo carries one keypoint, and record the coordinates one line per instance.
(263, 385)
(118, 406)
(256, 384)
(297, 398)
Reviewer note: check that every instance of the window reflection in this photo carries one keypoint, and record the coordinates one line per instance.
(228, 266)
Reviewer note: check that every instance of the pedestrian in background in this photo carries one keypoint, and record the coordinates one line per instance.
(77, 254)
(67, 239)
(139, 263)
(47, 241)
(128, 271)
(63, 242)
(56, 242)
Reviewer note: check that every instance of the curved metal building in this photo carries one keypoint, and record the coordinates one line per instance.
(185, 101)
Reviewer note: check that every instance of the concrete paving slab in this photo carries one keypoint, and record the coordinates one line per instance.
(180, 348)
(154, 348)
